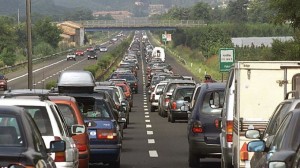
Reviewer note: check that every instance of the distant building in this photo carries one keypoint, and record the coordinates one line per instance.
(73, 33)
(156, 9)
(117, 15)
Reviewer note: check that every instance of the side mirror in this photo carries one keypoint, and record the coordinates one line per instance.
(252, 134)
(77, 129)
(256, 146)
(57, 146)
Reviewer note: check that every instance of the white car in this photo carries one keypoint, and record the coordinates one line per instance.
(103, 49)
(51, 125)
(154, 96)
(71, 56)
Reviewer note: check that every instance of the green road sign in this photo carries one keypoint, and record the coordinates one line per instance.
(164, 37)
(227, 57)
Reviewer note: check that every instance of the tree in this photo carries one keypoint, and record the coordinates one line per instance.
(7, 34)
(286, 11)
(237, 11)
(259, 12)
(201, 11)
(45, 31)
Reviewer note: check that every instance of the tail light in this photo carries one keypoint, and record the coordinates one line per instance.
(59, 156)
(244, 155)
(174, 105)
(197, 127)
(107, 134)
(229, 128)
(135, 84)
(81, 147)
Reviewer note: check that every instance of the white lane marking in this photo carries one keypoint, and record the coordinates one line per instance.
(147, 121)
(148, 126)
(146, 116)
(145, 109)
(146, 112)
(153, 153)
(149, 132)
(151, 141)
(145, 103)
(145, 106)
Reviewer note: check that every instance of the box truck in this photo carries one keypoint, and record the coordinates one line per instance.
(259, 86)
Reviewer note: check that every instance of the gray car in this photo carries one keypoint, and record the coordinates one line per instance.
(203, 128)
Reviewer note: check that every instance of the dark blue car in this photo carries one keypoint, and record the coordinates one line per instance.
(103, 129)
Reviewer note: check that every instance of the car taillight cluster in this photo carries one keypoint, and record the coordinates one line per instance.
(107, 134)
(174, 105)
(197, 127)
(59, 156)
(81, 147)
(229, 129)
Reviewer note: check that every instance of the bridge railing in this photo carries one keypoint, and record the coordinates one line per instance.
(141, 23)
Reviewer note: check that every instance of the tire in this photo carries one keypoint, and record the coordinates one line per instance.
(115, 164)
(172, 119)
(152, 108)
(194, 161)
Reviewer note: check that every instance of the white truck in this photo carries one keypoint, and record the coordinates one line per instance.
(158, 52)
(259, 87)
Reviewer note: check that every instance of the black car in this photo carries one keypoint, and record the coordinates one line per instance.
(130, 79)
(91, 54)
(203, 128)
(285, 145)
(21, 142)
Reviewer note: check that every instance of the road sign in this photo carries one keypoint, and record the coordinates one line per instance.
(169, 37)
(164, 37)
(227, 57)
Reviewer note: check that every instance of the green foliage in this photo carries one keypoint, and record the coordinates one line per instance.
(92, 68)
(7, 34)
(79, 14)
(8, 58)
(43, 49)
(286, 11)
(237, 11)
(45, 31)
(201, 11)
(51, 84)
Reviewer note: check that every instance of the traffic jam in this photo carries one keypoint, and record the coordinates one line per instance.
(82, 122)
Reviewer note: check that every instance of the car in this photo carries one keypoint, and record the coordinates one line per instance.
(284, 146)
(50, 122)
(71, 56)
(17, 143)
(91, 55)
(3, 82)
(203, 131)
(154, 96)
(164, 99)
(287, 105)
(103, 49)
(130, 79)
(90, 49)
(79, 53)
(180, 95)
(127, 91)
(73, 116)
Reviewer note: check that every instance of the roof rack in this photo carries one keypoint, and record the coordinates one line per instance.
(42, 96)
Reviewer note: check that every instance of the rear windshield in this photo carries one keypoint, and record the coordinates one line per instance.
(10, 134)
(93, 108)
(182, 93)
(172, 86)
(213, 102)
(41, 118)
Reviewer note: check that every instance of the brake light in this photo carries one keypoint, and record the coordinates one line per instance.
(229, 128)
(174, 105)
(81, 147)
(135, 84)
(106, 134)
(244, 152)
(59, 156)
(197, 127)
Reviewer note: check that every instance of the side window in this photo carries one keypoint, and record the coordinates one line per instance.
(61, 123)
(195, 97)
(280, 136)
(10, 134)
(68, 114)
(38, 140)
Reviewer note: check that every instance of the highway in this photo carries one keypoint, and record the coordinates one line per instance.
(149, 141)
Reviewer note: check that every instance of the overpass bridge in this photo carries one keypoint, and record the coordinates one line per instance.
(138, 24)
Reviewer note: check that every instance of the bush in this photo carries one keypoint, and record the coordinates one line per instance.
(43, 49)
(50, 85)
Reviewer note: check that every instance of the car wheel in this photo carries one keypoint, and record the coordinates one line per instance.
(194, 160)
(116, 164)
(172, 119)
(152, 108)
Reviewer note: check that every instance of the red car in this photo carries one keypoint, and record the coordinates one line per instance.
(79, 53)
(3, 82)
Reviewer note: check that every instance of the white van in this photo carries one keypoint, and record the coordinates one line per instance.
(158, 52)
